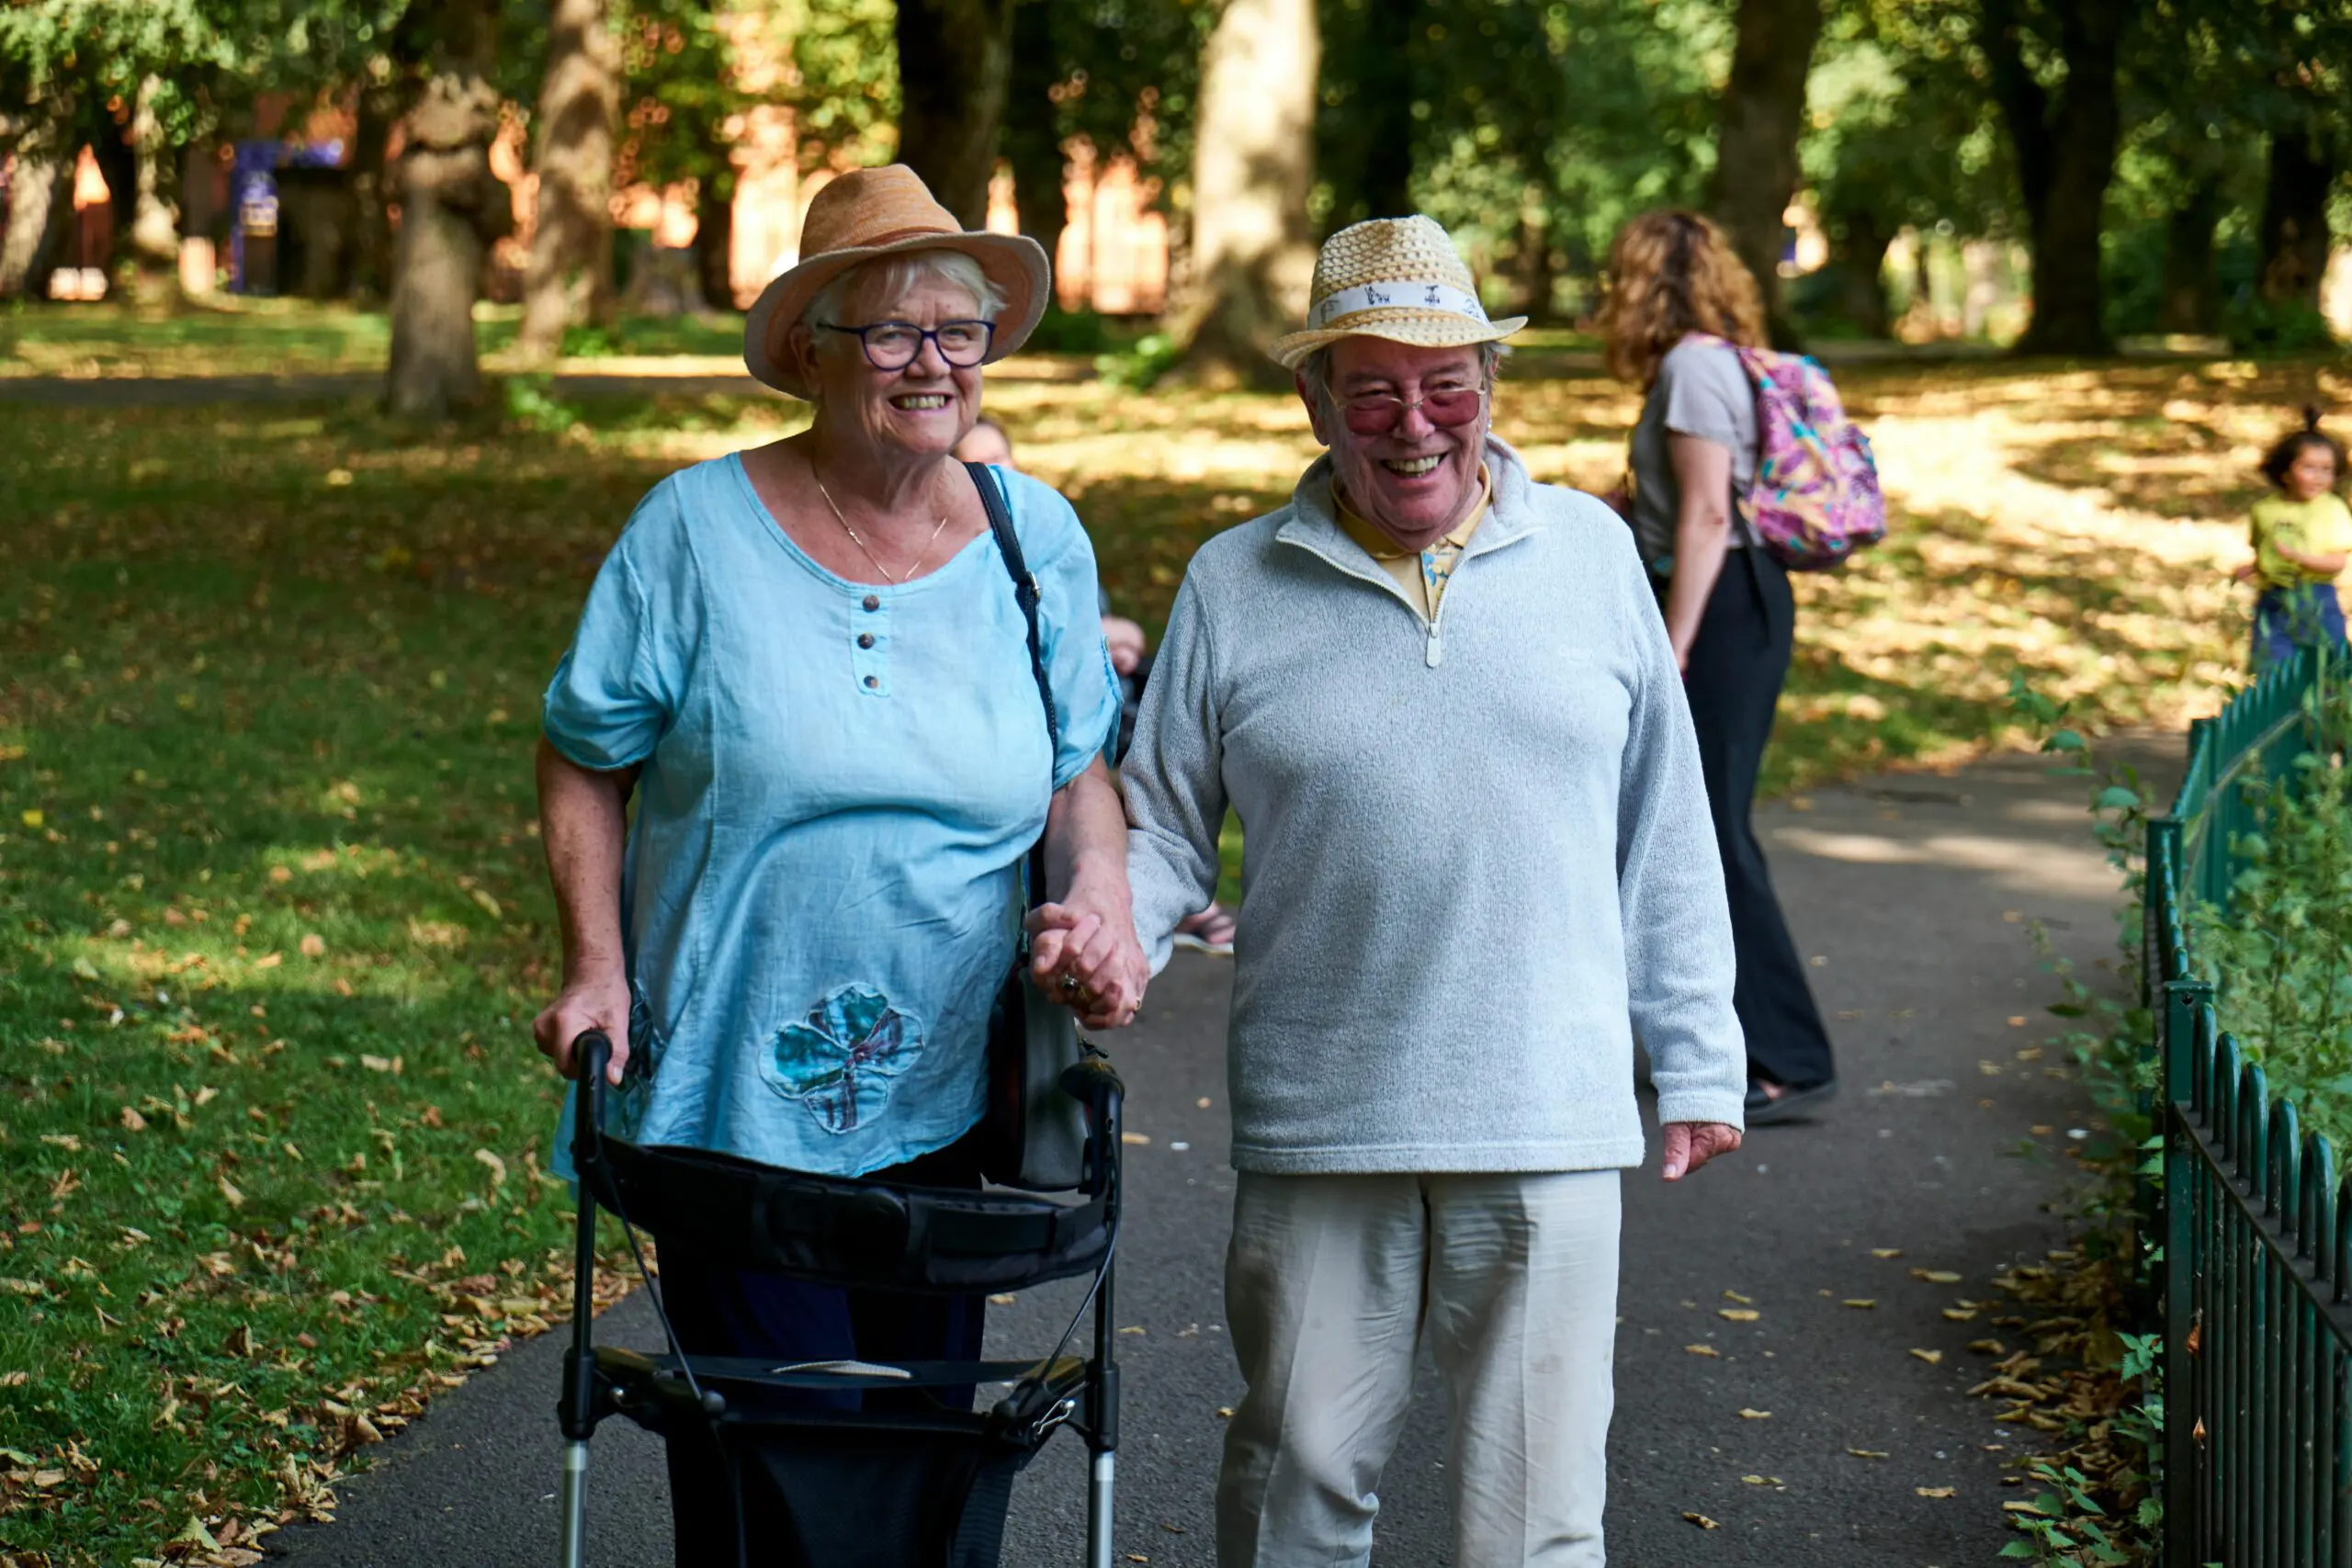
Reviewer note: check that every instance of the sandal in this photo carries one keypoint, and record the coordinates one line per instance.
(1210, 931)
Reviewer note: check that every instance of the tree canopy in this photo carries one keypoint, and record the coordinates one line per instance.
(2171, 165)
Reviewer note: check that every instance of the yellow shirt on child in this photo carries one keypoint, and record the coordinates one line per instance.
(2320, 526)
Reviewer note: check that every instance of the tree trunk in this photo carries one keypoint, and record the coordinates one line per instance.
(155, 228)
(955, 66)
(380, 108)
(2065, 145)
(1860, 254)
(451, 207)
(570, 274)
(1033, 141)
(2189, 297)
(1253, 155)
(40, 213)
(1531, 263)
(1393, 43)
(1755, 138)
(2294, 218)
(714, 237)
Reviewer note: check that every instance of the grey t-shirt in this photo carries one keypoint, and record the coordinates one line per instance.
(1702, 390)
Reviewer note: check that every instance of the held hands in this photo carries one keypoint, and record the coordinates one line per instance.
(582, 1005)
(1088, 958)
(1690, 1145)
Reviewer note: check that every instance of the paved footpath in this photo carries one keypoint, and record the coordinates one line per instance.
(1914, 897)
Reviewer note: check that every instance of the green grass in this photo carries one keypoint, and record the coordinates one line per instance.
(275, 928)
(231, 335)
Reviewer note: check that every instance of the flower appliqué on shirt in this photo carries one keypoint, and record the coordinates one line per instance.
(839, 1061)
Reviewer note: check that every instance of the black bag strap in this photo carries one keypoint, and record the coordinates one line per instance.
(1025, 593)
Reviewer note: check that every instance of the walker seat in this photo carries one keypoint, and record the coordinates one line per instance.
(902, 1485)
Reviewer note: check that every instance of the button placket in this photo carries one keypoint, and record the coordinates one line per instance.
(869, 644)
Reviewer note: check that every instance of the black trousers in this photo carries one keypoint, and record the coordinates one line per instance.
(718, 1310)
(1737, 663)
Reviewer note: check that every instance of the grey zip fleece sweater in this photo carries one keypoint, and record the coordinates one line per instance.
(1478, 855)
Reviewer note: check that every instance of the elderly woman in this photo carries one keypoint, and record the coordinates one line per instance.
(1437, 694)
(1729, 614)
(808, 663)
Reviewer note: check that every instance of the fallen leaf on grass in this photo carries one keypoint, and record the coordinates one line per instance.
(313, 944)
(1866, 1453)
(1933, 1491)
(229, 1190)
(132, 1121)
(1702, 1350)
(1935, 1276)
(1931, 1357)
(16, 1380)
(1702, 1520)
(497, 1166)
(1738, 1315)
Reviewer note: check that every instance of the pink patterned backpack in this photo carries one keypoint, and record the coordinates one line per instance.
(1816, 498)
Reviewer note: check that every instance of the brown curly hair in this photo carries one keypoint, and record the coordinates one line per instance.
(2282, 457)
(1672, 273)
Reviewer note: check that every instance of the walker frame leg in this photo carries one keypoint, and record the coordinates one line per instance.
(574, 1503)
(1099, 1510)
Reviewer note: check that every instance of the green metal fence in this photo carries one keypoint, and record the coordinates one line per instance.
(2257, 1231)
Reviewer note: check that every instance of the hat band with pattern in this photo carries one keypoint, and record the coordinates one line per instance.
(1394, 295)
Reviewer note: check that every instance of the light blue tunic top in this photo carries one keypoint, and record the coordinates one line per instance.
(822, 891)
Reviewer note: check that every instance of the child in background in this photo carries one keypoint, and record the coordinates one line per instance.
(1212, 929)
(2301, 537)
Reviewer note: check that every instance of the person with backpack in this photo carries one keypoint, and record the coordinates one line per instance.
(1741, 465)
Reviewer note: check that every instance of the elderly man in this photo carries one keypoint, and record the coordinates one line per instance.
(1442, 701)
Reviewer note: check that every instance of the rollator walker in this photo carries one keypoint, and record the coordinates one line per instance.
(883, 1489)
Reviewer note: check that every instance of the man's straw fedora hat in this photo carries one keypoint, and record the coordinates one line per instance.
(1397, 278)
(878, 212)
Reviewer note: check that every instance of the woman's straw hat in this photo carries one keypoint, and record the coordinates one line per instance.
(878, 212)
(1397, 278)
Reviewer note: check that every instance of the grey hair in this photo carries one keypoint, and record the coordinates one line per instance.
(898, 273)
(1315, 370)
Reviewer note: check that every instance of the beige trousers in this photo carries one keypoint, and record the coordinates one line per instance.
(1331, 1282)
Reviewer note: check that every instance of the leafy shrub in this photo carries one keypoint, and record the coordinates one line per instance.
(2280, 955)
(1141, 365)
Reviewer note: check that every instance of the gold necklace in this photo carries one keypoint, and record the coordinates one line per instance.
(862, 545)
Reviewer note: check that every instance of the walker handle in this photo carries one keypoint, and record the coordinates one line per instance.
(592, 1052)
